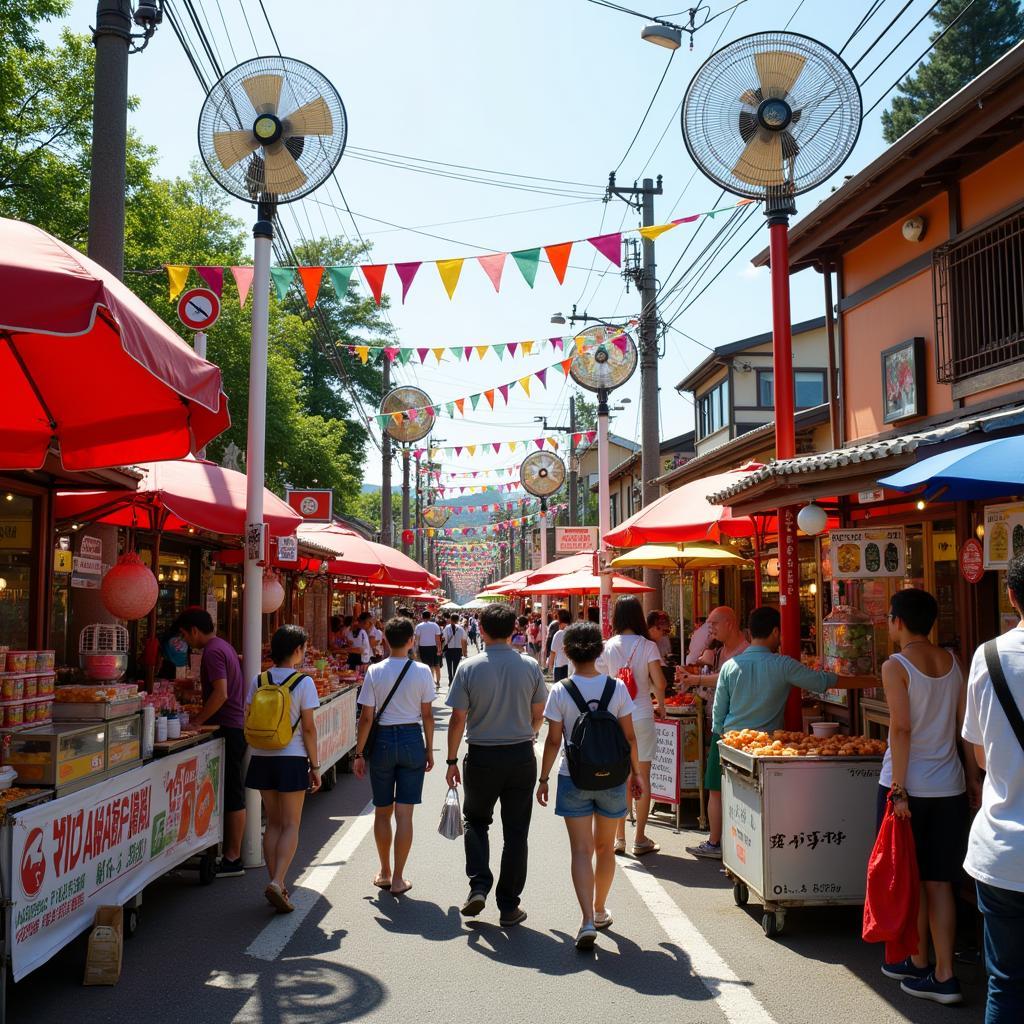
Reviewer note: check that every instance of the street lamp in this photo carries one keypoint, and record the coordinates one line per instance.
(663, 35)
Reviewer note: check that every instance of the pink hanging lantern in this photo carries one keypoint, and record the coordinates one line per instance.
(273, 593)
(129, 590)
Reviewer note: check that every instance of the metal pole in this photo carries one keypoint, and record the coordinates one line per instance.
(252, 606)
(419, 511)
(603, 513)
(544, 556)
(833, 391)
(405, 498)
(112, 38)
(650, 433)
(574, 481)
(200, 347)
(386, 531)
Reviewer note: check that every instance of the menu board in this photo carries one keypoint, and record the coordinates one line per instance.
(665, 766)
(868, 554)
(1004, 534)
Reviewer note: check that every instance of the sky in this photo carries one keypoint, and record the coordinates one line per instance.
(553, 89)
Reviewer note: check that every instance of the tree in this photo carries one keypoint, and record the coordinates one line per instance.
(978, 39)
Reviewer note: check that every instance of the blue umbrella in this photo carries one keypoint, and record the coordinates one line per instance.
(990, 469)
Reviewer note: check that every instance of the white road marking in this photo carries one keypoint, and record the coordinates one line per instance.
(223, 979)
(270, 942)
(732, 995)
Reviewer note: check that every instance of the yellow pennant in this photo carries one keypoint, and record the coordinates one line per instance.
(524, 383)
(580, 342)
(397, 417)
(527, 347)
(482, 350)
(176, 278)
(363, 351)
(655, 230)
(552, 442)
(449, 271)
(471, 448)
(438, 352)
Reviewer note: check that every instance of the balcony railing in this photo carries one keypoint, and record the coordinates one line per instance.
(979, 301)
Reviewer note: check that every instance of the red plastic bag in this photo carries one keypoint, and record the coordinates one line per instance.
(893, 889)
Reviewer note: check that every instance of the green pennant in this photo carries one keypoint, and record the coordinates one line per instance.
(497, 350)
(382, 421)
(339, 278)
(282, 277)
(474, 399)
(711, 213)
(458, 351)
(527, 260)
(404, 355)
(449, 409)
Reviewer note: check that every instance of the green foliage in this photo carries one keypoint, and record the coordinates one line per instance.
(367, 506)
(977, 40)
(586, 413)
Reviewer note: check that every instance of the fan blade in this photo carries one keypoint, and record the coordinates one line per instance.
(314, 118)
(778, 71)
(280, 171)
(760, 163)
(748, 125)
(264, 92)
(790, 147)
(231, 147)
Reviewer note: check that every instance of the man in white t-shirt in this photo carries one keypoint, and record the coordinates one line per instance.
(995, 852)
(361, 639)
(455, 643)
(558, 663)
(428, 646)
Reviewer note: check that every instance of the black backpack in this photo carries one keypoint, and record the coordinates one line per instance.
(597, 750)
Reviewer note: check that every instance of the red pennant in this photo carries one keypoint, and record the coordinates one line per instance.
(621, 343)
(391, 353)
(609, 246)
(311, 278)
(558, 257)
(687, 220)
(214, 277)
(374, 274)
(496, 446)
(511, 347)
(489, 395)
(565, 364)
(406, 272)
(591, 434)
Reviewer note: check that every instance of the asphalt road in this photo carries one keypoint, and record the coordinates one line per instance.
(679, 950)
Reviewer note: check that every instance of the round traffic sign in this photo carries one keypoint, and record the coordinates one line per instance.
(198, 308)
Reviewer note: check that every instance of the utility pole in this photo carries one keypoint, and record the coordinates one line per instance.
(645, 279)
(114, 41)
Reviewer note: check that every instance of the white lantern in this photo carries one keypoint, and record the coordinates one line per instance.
(812, 519)
(273, 594)
(772, 567)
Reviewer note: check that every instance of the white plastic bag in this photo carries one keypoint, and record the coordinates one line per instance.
(451, 816)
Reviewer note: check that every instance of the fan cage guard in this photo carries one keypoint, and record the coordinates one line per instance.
(436, 515)
(229, 108)
(825, 98)
(401, 399)
(593, 375)
(532, 468)
(103, 638)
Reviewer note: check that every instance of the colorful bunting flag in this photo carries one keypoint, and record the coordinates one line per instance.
(558, 257)
(524, 383)
(450, 271)
(311, 278)
(527, 260)
(406, 272)
(656, 230)
(340, 277)
(492, 267)
(176, 278)
(503, 388)
(374, 274)
(243, 282)
(609, 246)
(214, 277)
(282, 278)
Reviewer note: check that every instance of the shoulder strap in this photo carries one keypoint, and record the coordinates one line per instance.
(1002, 688)
(398, 683)
(609, 692)
(293, 680)
(577, 697)
(264, 679)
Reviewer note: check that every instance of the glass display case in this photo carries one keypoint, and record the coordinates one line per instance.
(848, 646)
(124, 740)
(58, 755)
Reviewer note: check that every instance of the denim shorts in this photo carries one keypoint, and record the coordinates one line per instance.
(397, 765)
(571, 802)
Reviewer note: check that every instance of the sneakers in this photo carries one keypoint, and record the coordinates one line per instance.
(649, 846)
(512, 918)
(709, 850)
(230, 868)
(473, 905)
(945, 992)
(905, 969)
(586, 937)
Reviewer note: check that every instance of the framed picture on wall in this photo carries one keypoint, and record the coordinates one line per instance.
(903, 386)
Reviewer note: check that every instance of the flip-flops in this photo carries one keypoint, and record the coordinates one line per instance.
(278, 898)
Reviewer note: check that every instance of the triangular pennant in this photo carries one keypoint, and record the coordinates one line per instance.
(474, 400)
(609, 246)
(404, 355)
(382, 420)
(565, 364)
(498, 351)
(176, 278)
(524, 383)
(489, 395)
(558, 343)
(449, 409)
(553, 443)
(496, 445)
(591, 434)
(468, 350)
(511, 348)
(687, 220)
(656, 231)
(621, 343)
(503, 388)
(363, 351)
(243, 282)
(460, 404)
(397, 417)
(539, 442)
(374, 274)
(438, 353)
(422, 353)
(406, 272)
(527, 347)
(340, 277)
(482, 350)
(214, 277)
(542, 376)
(472, 447)
(450, 271)
(527, 260)
(457, 352)
(558, 257)
(282, 278)
(311, 278)
(493, 266)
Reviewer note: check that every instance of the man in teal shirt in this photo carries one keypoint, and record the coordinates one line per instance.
(751, 694)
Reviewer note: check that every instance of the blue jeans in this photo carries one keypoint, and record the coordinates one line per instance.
(1003, 910)
(397, 765)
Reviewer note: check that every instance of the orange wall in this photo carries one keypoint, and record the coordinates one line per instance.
(902, 312)
(995, 187)
(889, 249)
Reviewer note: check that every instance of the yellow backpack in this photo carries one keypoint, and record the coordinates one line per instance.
(268, 722)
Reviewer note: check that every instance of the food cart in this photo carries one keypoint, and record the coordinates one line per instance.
(797, 830)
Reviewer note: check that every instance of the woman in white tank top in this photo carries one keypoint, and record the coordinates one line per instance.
(923, 775)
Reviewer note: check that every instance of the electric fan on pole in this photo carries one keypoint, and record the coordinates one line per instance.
(542, 474)
(405, 431)
(768, 117)
(271, 131)
(607, 361)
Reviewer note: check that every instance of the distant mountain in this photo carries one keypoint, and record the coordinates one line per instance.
(375, 489)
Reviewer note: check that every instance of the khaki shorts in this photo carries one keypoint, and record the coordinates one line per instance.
(645, 738)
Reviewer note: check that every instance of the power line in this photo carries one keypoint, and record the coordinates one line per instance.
(871, 11)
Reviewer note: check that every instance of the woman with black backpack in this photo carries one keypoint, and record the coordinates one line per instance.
(599, 764)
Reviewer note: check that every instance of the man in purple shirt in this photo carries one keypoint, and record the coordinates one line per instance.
(224, 706)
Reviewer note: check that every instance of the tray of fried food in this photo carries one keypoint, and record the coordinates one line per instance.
(782, 743)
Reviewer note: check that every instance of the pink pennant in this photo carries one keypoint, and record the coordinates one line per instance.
(422, 353)
(458, 451)
(687, 220)
(609, 246)
(591, 434)
(493, 266)
(503, 388)
(621, 343)
(556, 343)
(511, 347)
(539, 442)
(391, 353)
(214, 277)
(243, 282)
(406, 272)
(496, 446)
(542, 376)
(468, 350)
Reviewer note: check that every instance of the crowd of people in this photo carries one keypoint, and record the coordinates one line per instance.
(956, 749)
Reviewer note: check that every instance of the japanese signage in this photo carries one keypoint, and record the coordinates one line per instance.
(972, 561)
(335, 728)
(104, 844)
(1004, 534)
(288, 549)
(569, 540)
(87, 565)
(314, 506)
(665, 765)
(868, 554)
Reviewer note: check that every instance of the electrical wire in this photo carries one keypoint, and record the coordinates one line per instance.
(906, 35)
(871, 11)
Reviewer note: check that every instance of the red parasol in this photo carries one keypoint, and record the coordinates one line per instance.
(362, 559)
(89, 367)
(579, 583)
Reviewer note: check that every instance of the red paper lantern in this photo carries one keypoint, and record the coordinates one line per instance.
(129, 590)
(408, 537)
(273, 594)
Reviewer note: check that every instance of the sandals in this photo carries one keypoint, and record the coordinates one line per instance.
(647, 846)
(278, 898)
(602, 920)
(586, 937)
(620, 847)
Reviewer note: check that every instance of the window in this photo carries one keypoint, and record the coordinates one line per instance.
(713, 409)
(979, 301)
(614, 509)
(809, 388)
(17, 569)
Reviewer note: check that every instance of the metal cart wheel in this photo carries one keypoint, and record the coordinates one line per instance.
(132, 920)
(740, 893)
(208, 866)
(329, 779)
(772, 923)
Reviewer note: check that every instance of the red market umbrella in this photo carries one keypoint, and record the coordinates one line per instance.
(581, 562)
(89, 368)
(362, 559)
(183, 495)
(580, 583)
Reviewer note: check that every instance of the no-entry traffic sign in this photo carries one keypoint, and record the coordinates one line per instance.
(198, 308)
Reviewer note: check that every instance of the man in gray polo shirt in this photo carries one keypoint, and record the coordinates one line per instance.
(497, 697)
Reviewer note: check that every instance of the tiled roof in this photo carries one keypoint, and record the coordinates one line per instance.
(871, 451)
